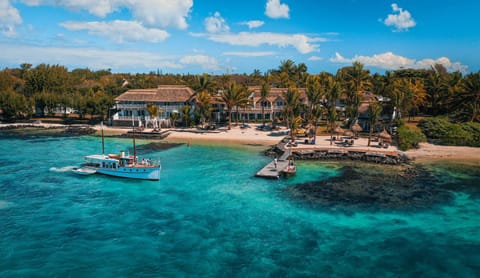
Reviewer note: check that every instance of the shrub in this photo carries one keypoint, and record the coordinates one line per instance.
(409, 138)
(442, 131)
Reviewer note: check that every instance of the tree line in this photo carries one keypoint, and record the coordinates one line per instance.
(28, 91)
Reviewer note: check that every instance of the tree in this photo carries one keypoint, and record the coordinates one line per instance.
(292, 107)
(332, 92)
(14, 105)
(46, 78)
(374, 111)
(203, 83)
(203, 107)
(264, 92)
(186, 117)
(436, 88)
(467, 101)
(356, 80)
(153, 110)
(314, 95)
(242, 99)
(230, 97)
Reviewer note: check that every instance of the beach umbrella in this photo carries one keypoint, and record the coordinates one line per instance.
(384, 135)
(338, 130)
(356, 128)
(348, 133)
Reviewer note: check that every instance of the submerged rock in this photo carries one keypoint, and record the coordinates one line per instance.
(374, 187)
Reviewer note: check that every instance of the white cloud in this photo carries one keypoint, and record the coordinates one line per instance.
(315, 58)
(155, 13)
(9, 18)
(216, 24)
(250, 54)
(274, 9)
(389, 60)
(162, 13)
(204, 61)
(119, 31)
(253, 23)
(302, 43)
(401, 19)
(87, 57)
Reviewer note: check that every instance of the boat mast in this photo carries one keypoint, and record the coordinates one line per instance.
(134, 148)
(103, 143)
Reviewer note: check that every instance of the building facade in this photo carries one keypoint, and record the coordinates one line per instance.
(132, 105)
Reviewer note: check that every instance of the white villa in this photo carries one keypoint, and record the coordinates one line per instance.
(132, 104)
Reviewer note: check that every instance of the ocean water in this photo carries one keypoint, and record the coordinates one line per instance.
(209, 216)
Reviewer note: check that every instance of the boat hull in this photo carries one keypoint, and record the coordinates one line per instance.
(142, 173)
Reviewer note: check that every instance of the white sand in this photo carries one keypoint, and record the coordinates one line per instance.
(427, 152)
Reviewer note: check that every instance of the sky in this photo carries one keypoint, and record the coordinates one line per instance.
(236, 37)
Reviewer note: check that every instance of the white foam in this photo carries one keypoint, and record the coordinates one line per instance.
(4, 204)
(61, 169)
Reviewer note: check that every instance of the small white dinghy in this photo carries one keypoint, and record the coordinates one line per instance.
(84, 171)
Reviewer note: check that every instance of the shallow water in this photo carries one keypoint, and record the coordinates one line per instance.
(208, 216)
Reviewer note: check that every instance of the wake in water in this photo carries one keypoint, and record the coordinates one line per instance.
(4, 204)
(62, 169)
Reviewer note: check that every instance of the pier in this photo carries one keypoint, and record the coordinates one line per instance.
(272, 172)
(323, 149)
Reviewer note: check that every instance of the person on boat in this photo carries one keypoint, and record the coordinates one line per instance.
(275, 162)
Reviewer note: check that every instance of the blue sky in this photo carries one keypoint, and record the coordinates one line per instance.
(228, 36)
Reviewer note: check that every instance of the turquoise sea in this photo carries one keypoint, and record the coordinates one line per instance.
(209, 216)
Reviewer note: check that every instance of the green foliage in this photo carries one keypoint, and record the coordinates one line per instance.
(442, 131)
(14, 105)
(409, 138)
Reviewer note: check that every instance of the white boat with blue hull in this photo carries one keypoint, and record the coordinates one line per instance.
(123, 166)
(120, 165)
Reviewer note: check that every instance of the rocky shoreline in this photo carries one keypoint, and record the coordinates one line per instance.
(340, 155)
(36, 130)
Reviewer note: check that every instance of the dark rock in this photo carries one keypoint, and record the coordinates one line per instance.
(399, 188)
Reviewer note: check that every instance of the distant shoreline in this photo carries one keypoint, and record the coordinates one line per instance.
(427, 152)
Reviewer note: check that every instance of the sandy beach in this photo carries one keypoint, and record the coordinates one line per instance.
(426, 153)
(251, 136)
(429, 152)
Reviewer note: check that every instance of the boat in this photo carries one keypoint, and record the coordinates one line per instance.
(289, 170)
(120, 165)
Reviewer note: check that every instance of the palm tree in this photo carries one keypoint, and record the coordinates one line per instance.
(332, 92)
(314, 95)
(203, 83)
(264, 92)
(436, 88)
(356, 81)
(232, 97)
(203, 107)
(292, 106)
(174, 118)
(467, 102)
(374, 111)
(153, 110)
(186, 117)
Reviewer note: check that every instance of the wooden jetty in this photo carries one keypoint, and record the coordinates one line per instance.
(272, 172)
